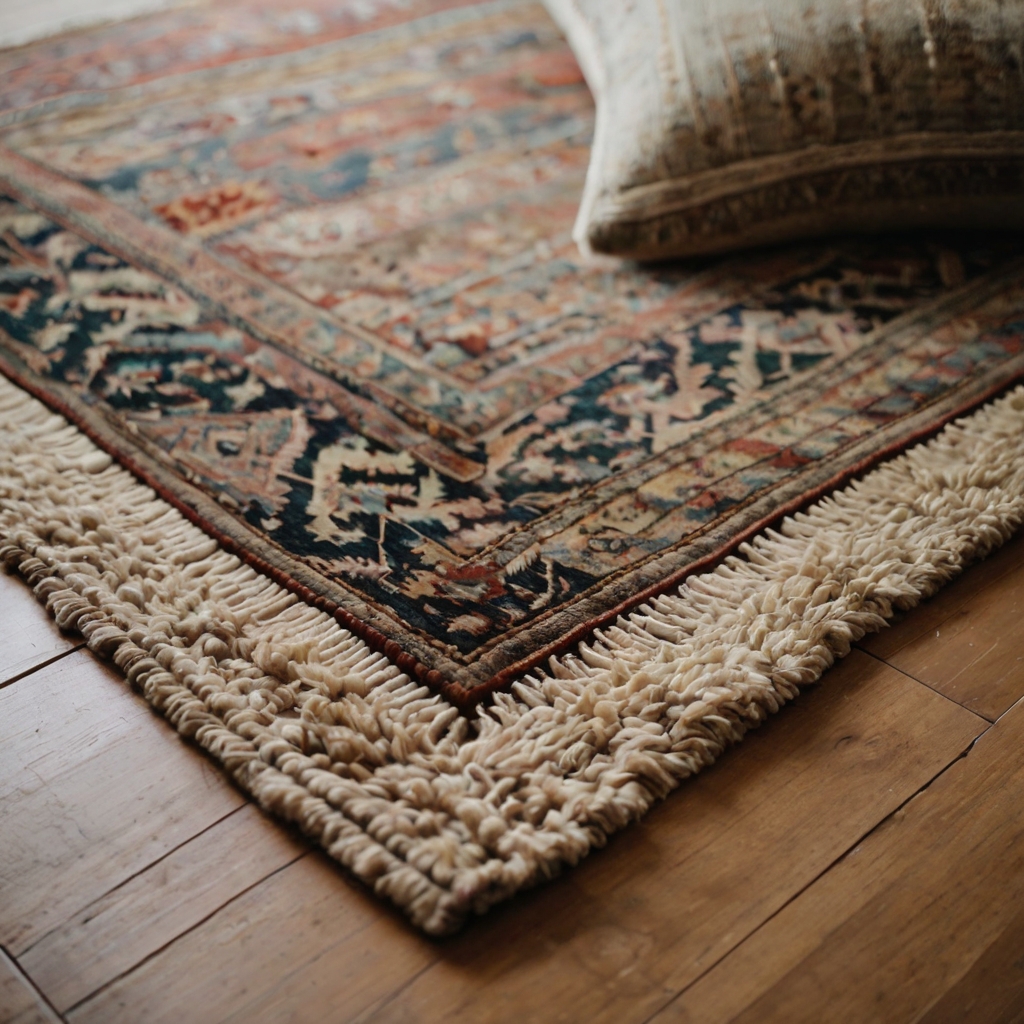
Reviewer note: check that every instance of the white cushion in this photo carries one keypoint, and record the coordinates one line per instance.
(728, 123)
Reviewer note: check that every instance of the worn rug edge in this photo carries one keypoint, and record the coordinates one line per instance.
(445, 813)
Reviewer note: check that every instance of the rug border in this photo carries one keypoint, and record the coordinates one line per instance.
(466, 698)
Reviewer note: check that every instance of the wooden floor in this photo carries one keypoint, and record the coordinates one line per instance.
(859, 858)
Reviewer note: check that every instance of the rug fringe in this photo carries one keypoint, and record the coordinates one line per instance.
(444, 814)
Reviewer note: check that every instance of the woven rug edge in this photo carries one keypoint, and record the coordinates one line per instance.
(445, 814)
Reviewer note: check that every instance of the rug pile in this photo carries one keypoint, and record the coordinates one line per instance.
(453, 546)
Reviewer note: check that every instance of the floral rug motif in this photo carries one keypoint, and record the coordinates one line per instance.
(309, 274)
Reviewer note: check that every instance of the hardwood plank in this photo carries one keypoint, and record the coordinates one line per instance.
(118, 931)
(615, 938)
(935, 893)
(966, 642)
(19, 1002)
(304, 945)
(94, 787)
(992, 991)
(28, 636)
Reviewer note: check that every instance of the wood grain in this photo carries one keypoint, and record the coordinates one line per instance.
(966, 642)
(19, 1002)
(927, 909)
(614, 942)
(304, 945)
(94, 788)
(118, 931)
(992, 991)
(615, 938)
(29, 638)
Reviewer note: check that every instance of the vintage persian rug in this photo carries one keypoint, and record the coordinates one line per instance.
(403, 488)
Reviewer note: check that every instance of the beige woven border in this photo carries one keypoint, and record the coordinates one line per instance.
(441, 814)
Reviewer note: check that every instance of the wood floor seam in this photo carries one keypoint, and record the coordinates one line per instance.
(325, 952)
(125, 881)
(934, 689)
(1018, 702)
(798, 893)
(156, 952)
(35, 668)
(929, 907)
(26, 978)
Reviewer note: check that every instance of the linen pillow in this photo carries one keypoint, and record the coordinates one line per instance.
(729, 123)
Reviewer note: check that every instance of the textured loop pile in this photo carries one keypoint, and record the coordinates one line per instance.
(442, 813)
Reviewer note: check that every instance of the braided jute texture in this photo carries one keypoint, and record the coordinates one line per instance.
(443, 814)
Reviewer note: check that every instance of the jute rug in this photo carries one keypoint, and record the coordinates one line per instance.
(452, 546)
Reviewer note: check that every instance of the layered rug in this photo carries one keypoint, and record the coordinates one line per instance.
(450, 544)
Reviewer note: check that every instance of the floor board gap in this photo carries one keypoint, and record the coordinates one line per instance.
(133, 876)
(821, 874)
(43, 664)
(27, 979)
(156, 952)
(944, 696)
